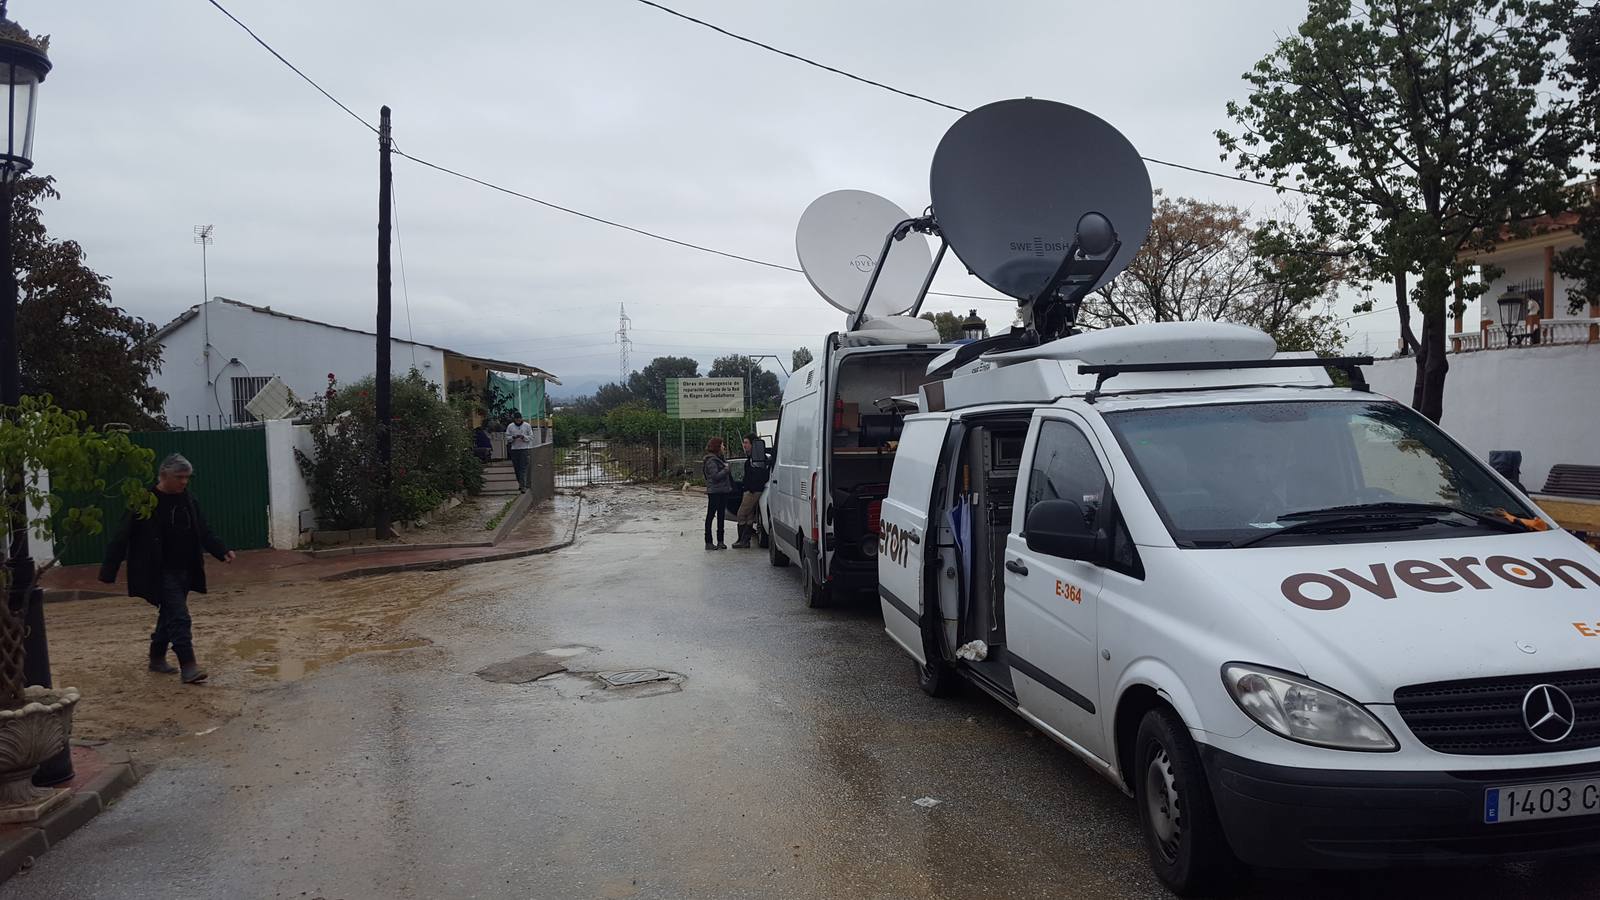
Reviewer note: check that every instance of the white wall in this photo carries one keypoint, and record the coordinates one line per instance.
(1543, 401)
(288, 492)
(301, 353)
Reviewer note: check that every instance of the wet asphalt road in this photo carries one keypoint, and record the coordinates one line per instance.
(784, 765)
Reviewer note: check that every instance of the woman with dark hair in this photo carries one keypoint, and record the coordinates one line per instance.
(719, 486)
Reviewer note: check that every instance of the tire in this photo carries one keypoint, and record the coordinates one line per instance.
(774, 555)
(1177, 816)
(763, 539)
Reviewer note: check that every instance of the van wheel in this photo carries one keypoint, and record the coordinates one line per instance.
(816, 595)
(774, 555)
(1187, 848)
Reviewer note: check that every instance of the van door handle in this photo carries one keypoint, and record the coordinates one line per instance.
(1015, 565)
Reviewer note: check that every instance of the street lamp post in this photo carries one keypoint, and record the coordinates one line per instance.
(974, 328)
(1513, 310)
(24, 62)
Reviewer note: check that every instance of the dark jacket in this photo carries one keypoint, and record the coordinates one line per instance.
(755, 467)
(139, 542)
(719, 480)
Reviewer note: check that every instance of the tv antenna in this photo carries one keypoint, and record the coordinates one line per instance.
(205, 236)
(623, 324)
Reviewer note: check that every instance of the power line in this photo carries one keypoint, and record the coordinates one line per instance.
(405, 289)
(307, 78)
(929, 100)
(546, 203)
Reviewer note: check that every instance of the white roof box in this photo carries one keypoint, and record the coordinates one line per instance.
(882, 330)
(1155, 342)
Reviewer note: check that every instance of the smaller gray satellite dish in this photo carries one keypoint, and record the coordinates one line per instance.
(838, 241)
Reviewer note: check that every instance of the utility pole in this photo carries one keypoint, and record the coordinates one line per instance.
(204, 235)
(623, 323)
(381, 524)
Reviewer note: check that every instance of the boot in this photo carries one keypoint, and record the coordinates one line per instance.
(158, 659)
(743, 543)
(193, 674)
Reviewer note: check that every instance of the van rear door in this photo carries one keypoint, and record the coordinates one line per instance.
(905, 540)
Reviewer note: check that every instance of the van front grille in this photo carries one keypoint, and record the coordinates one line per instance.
(1483, 716)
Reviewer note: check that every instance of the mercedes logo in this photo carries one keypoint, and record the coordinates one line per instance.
(1548, 713)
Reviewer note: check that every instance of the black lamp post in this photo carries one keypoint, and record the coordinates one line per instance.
(1513, 310)
(974, 328)
(23, 66)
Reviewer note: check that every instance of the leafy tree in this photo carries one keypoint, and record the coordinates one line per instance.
(649, 385)
(799, 358)
(37, 436)
(1424, 127)
(73, 344)
(1205, 262)
(948, 323)
(1581, 264)
(764, 390)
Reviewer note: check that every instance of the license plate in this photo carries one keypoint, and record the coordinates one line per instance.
(1553, 800)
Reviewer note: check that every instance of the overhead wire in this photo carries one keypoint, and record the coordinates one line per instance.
(405, 289)
(929, 100)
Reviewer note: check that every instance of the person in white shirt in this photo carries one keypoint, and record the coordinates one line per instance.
(519, 441)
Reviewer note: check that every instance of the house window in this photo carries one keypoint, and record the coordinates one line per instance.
(245, 390)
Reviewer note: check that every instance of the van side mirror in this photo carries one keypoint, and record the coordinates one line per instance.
(1060, 528)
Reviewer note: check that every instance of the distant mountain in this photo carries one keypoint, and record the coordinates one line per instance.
(575, 386)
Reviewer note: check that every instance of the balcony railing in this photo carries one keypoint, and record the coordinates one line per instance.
(1552, 331)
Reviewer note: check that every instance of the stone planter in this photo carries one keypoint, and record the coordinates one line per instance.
(29, 736)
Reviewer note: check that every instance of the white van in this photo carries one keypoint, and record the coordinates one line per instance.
(1299, 623)
(837, 431)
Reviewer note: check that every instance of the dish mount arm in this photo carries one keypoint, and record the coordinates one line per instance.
(1053, 312)
(923, 224)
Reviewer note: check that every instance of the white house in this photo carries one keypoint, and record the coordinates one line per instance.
(217, 355)
(1534, 389)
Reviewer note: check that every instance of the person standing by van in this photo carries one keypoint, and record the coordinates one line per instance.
(719, 484)
(755, 481)
(519, 442)
(166, 560)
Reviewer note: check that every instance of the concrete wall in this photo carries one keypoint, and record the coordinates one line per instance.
(543, 478)
(301, 353)
(288, 492)
(1544, 401)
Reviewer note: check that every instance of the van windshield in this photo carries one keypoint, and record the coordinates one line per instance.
(1245, 473)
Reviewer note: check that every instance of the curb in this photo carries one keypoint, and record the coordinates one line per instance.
(512, 517)
(68, 595)
(20, 845)
(440, 565)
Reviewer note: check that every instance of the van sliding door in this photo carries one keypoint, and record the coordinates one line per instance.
(904, 535)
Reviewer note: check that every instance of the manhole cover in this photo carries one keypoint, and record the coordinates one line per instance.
(633, 676)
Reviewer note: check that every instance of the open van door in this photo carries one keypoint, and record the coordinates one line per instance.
(905, 538)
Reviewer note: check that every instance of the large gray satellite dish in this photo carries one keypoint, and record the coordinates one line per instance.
(839, 241)
(1016, 184)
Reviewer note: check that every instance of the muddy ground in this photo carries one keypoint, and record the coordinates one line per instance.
(257, 638)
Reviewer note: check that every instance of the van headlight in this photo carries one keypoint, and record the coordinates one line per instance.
(1302, 710)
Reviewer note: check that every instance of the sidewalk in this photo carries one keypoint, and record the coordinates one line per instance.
(535, 534)
(100, 777)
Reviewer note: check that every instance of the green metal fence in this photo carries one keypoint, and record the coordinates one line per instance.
(230, 484)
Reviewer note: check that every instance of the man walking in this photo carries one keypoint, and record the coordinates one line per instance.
(166, 560)
(519, 442)
(755, 481)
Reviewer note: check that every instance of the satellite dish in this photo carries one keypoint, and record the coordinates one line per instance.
(1017, 183)
(839, 240)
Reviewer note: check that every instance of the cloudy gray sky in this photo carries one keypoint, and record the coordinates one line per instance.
(162, 115)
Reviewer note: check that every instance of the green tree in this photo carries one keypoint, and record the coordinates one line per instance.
(1423, 127)
(799, 358)
(73, 343)
(1581, 264)
(948, 323)
(764, 390)
(37, 437)
(649, 385)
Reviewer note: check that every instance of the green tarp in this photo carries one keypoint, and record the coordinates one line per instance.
(523, 393)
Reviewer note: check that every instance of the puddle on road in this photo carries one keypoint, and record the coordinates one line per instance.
(293, 668)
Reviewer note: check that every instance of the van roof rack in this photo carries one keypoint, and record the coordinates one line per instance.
(1349, 365)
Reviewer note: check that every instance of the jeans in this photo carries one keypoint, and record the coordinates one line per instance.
(717, 507)
(521, 464)
(172, 621)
